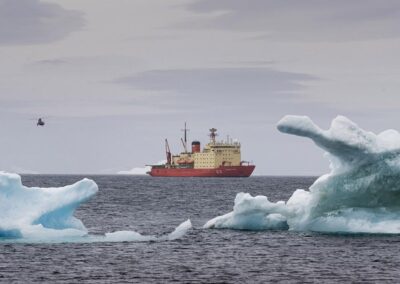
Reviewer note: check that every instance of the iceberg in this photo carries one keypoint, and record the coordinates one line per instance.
(361, 194)
(33, 214)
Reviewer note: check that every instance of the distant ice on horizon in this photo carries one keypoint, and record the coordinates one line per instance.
(139, 170)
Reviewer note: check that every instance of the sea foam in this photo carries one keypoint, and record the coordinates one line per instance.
(361, 194)
(33, 214)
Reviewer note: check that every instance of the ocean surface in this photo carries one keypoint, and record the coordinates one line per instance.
(155, 206)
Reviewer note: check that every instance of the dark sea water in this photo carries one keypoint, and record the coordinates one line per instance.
(157, 205)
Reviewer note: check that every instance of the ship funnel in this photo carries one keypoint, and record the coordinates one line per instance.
(195, 147)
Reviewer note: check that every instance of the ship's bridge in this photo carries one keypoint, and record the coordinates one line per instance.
(216, 154)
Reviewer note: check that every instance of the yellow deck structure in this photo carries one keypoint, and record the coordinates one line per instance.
(214, 154)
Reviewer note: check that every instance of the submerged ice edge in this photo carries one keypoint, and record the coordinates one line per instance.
(41, 215)
(361, 194)
(126, 236)
(63, 236)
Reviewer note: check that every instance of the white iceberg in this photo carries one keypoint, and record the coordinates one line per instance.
(33, 214)
(361, 194)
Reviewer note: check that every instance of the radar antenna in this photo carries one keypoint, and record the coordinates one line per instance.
(213, 134)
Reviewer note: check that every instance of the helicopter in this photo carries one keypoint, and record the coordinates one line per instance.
(40, 122)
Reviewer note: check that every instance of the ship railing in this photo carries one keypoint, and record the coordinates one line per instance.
(235, 144)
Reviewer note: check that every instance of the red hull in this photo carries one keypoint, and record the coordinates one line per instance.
(234, 171)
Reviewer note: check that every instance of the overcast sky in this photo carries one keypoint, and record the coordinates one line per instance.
(115, 78)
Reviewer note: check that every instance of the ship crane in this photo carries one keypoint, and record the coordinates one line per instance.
(167, 152)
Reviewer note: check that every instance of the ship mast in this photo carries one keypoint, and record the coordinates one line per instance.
(184, 145)
(167, 152)
(185, 130)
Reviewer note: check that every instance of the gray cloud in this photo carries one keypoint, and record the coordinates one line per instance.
(228, 84)
(234, 94)
(320, 20)
(49, 62)
(251, 63)
(35, 22)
